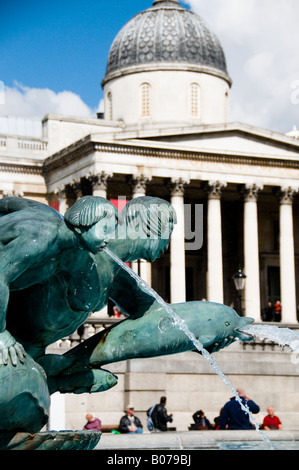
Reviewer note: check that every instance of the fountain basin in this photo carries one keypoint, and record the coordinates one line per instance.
(199, 440)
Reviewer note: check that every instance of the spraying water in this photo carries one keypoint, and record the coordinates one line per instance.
(181, 324)
(280, 336)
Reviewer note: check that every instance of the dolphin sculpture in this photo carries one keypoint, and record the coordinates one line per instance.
(156, 333)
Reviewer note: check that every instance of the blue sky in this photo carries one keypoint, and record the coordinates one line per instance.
(61, 44)
(53, 54)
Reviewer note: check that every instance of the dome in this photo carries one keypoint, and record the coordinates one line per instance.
(166, 35)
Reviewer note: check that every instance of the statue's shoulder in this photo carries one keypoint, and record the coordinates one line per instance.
(23, 218)
(28, 208)
(14, 204)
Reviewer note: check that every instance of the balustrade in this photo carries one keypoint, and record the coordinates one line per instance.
(29, 144)
(88, 329)
(12, 143)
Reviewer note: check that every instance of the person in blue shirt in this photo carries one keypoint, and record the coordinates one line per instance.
(233, 416)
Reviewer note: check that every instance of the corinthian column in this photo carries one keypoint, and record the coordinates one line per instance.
(99, 183)
(72, 192)
(177, 244)
(138, 183)
(251, 253)
(287, 257)
(215, 262)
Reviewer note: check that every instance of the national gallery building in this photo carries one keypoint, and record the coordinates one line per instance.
(166, 132)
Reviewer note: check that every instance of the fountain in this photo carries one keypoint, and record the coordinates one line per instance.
(281, 336)
(199, 346)
(55, 271)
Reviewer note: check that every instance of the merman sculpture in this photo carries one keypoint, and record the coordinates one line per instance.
(54, 273)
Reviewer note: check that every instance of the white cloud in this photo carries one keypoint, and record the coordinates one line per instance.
(35, 103)
(100, 108)
(260, 39)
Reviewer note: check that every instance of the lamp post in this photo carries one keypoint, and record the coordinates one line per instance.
(239, 281)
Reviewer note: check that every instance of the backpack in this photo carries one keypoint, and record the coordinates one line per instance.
(149, 422)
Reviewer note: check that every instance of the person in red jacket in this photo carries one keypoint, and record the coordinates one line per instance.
(271, 421)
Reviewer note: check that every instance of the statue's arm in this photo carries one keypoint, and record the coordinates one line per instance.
(131, 296)
(9, 348)
(18, 252)
(4, 296)
(10, 265)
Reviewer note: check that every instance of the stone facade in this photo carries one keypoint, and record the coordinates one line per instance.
(259, 187)
(166, 132)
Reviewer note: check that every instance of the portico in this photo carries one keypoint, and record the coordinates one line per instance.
(242, 205)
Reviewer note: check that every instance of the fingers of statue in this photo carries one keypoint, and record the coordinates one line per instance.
(13, 356)
(227, 341)
(16, 353)
(232, 339)
(20, 351)
(4, 356)
(10, 350)
(223, 344)
(9, 354)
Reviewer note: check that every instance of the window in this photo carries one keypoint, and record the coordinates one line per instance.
(109, 103)
(145, 100)
(195, 100)
(226, 103)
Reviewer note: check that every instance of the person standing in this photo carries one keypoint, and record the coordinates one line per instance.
(268, 312)
(130, 423)
(233, 416)
(160, 417)
(277, 311)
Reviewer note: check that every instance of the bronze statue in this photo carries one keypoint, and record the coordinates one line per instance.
(54, 273)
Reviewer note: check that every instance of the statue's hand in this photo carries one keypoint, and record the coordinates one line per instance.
(220, 345)
(10, 349)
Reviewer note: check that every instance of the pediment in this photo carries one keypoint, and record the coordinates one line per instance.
(233, 138)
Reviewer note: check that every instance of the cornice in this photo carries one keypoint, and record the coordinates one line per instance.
(68, 155)
(210, 129)
(19, 168)
(160, 66)
(82, 148)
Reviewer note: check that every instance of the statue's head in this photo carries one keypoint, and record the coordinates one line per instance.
(94, 219)
(145, 226)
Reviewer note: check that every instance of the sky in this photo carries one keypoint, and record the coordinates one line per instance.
(53, 55)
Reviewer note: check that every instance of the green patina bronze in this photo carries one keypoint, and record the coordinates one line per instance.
(54, 273)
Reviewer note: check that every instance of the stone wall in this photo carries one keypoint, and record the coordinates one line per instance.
(268, 373)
